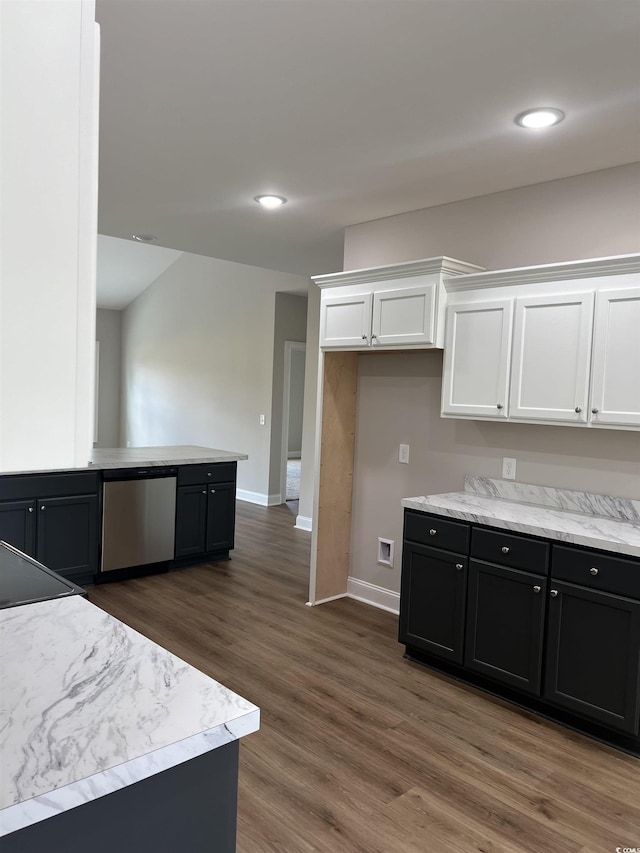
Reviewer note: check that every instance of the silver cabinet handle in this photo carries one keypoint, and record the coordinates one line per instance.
(554, 593)
(505, 549)
(594, 411)
(43, 508)
(537, 588)
(459, 567)
(577, 410)
(208, 473)
(433, 531)
(204, 491)
(30, 509)
(593, 571)
(213, 491)
(499, 406)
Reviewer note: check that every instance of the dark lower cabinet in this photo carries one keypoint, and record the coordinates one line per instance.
(17, 525)
(67, 534)
(205, 519)
(505, 625)
(593, 655)
(432, 601)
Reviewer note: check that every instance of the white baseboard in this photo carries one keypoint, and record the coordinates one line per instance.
(325, 600)
(376, 596)
(303, 522)
(258, 498)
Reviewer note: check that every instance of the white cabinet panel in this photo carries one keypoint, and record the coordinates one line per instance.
(551, 349)
(477, 352)
(345, 321)
(406, 316)
(615, 383)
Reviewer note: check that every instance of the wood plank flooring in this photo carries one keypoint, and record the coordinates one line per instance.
(359, 750)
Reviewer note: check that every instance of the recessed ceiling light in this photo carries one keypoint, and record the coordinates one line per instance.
(271, 201)
(539, 117)
(144, 238)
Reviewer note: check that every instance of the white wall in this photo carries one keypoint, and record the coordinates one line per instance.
(585, 216)
(48, 192)
(309, 426)
(399, 402)
(290, 325)
(197, 350)
(296, 402)
(108, 334)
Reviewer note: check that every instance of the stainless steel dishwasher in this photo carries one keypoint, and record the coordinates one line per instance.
(138, 517)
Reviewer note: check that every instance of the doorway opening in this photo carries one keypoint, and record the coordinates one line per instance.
(292, 408)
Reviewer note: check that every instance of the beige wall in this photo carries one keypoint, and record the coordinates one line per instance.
(197, 350)
(399, 402)
(290, 325)
(108, 334)
(585, 216)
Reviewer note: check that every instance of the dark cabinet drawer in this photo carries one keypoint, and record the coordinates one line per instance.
(194, 475)
(596, 571)
(27, 487)
(508, 549)
(435, 531)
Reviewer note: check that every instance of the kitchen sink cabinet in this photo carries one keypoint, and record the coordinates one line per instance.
(205, 510)
(54, 519)
(553, 627)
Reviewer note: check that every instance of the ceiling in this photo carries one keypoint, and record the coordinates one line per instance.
(126, 268)
(353, 109)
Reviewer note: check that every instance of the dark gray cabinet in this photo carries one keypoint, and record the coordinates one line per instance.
(432, 600)
(552, 626)
(53, 518)
(205, 509)
(505, 625)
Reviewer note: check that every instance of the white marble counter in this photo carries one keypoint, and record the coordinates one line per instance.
(580, 518)
(185, 454)
(89, 706)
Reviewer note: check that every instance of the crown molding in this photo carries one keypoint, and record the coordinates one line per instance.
(589, 268)
(442, 265)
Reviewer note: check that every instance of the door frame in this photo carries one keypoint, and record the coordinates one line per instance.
(289, 347)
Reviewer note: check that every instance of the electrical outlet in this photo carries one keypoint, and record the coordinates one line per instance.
(403, 455)
(508, 468)
(262, 420)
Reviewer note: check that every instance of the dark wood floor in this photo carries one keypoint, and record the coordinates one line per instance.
(360, 750)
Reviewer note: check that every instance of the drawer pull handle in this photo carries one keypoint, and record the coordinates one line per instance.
(578, 410)
(459, 567)
(213, 491)
(505, 549)
(554, 593)
(433, 531)
(499, 406)
(593, 571)
(537, 588)
(30, 509)
(208, 473)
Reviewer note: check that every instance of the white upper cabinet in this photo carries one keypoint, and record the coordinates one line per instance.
(404, 316)
(345, 321)
(564, 338)
(399, 306)
(615, 377)
(551, 352)
(476, 364)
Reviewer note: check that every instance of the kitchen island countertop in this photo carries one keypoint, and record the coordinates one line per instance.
(89, 706)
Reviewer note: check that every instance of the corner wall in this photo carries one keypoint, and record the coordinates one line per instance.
(197, 361)
(108, 334)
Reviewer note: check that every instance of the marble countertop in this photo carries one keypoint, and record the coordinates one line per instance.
(89, 706)
(131, 457)
(185, 454)
(580, 518)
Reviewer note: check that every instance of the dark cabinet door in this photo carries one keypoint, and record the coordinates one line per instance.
(593, 655)
(17, 525)
(505, 625)
(191, 520)
(432, 601)
(67, 534)
(221, 515)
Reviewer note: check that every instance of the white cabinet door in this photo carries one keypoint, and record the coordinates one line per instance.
(551, 358)
(476, 362)
(402, 317)
(615, 382)
(345, 321)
